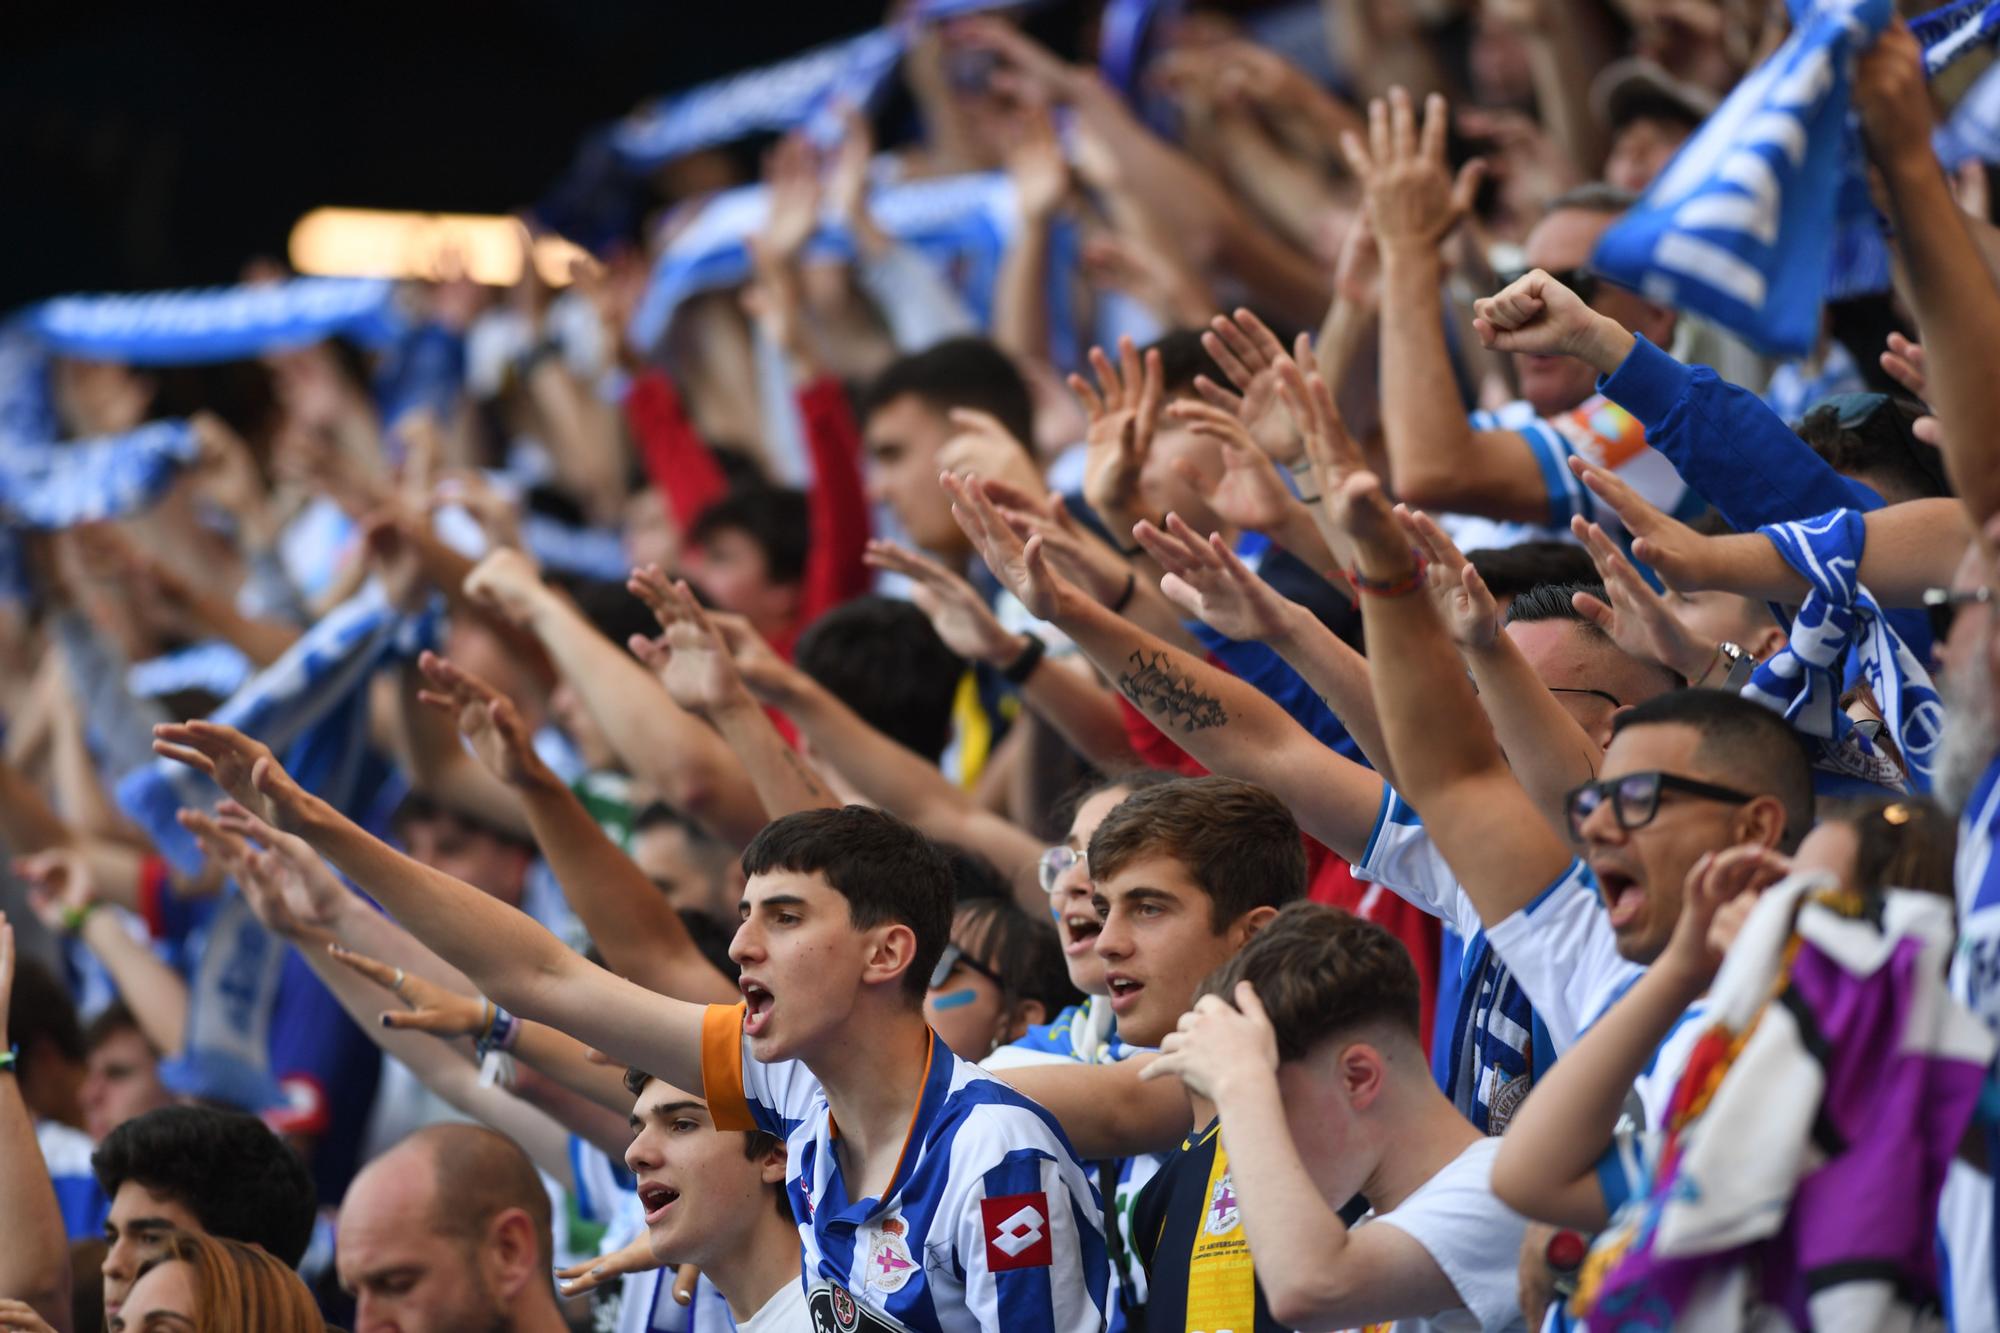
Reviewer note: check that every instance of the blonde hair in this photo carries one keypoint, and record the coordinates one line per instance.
(239, 1288)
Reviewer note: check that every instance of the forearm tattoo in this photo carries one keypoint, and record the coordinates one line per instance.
(1171, 699)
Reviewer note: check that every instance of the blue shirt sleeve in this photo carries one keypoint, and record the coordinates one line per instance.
(1256, 664)
(1735, 452)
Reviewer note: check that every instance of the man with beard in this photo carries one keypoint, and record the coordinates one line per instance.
(449, 1232)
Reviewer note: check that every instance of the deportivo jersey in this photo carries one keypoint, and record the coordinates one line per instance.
(1188, 1234)
(1497, 1043)
(1086, 1034)
(989, 1222)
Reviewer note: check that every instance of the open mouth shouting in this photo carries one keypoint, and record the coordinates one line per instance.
(1624, 896)
(1082, 925)
(757, 1007)
(656, 1198)
(1124, 991)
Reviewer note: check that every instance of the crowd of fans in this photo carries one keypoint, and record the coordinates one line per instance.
(1283, 752)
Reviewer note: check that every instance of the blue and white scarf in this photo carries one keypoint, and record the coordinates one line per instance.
(1803, 680)
(284, 706)
(52, 486)
(962, 223)
(1739, 228)
(216, 323)
(1955, 29)
(212, 667)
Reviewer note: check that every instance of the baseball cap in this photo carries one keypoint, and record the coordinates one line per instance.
(1629, 88)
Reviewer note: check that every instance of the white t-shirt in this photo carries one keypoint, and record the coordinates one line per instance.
(1472, 1237)
(785, 1312)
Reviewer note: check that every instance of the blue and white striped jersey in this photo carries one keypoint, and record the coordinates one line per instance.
(1968, 1218)
(989, 1222)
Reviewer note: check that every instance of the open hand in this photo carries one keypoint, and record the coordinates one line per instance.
(1637, 618)
(288, 868)
(1219, 1047)
(432, 1008)
(1019, 565)
(243, 767)
(1249, 493)
(1464, 602)
(1675, 551)
(1122, 420)
(590, 1274)
(486, 718)
(1249, 353)
(1413, 199)
(698, 670)
(1207, 580)
(956, 610)
(60, 887)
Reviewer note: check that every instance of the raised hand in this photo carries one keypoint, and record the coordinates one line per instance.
(1249, 493)
(956, 610)
(698, 670)
(1535, 314)
(1035, 163)
(1892, 95)
(1332, 452)
(1249, 353)
(1673, 549)
(591, 1274)
(847, 179)
(1413, 199)
(508, 584)
(307, 888)
(1021, 566)
(485, 717)
(982, 446)
(1206, 579)
(1072, 550)
(432, 1008)
(242, 767)
(497, 514)
(1904, 363)
(61, 891)
(1122, 418)
(1219, 1047)
(1638, 619)
(1464, 602)
(791, 171)
(1714, 882)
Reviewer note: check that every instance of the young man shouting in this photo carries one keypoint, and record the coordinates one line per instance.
(927, 1193)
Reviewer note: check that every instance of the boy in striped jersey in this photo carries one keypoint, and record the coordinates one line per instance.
(927, 1193)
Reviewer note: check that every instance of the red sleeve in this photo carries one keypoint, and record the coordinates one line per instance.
(676, 458)
(1152, 745)
(836, 505)
(152, 895)
(1331, 881)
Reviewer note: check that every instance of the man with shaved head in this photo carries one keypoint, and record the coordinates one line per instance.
(449, 1232)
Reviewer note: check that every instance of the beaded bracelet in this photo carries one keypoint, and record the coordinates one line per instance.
(1400, 587)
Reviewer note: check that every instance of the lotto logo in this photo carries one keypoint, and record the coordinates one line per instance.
(1017, 1232)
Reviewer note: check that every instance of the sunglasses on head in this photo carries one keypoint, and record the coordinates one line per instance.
(1635, 798)
(952, 957)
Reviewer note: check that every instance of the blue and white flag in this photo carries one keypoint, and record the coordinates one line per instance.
(52, 486)
(1739, 228)
(775, 97)
(1972, 130)
(1955, 29)
(216, 323)
(1839, 616)
(281, 706)
(962, 223)
(211, 667)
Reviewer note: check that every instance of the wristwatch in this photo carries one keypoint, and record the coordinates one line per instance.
(1740, 665)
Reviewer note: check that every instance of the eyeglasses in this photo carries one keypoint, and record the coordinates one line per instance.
(1944, 604)
(1635, 798)
(1057, 862)
(1611, 699)
(1579, 280)
(952, 957)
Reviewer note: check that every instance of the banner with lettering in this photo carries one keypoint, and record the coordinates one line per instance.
(1768, 164)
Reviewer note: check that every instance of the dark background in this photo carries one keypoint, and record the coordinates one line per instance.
(161, 145)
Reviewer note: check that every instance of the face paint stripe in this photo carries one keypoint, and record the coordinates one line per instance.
(957, 999)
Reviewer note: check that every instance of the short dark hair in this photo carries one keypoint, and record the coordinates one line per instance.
(973, 877)
(1320, 971)
(885, 869)
(40, 1014)
(1136, 779)
(882, 658)
(1510, 571)
(712, 938)
(1023, 950)
(1758, 749)
(1236, 840)
(610, 608)
(1880, 450)
(776, 518)
(238, 1178)
(1556, 601)
(418, 806)
(1182, 357)
(111, 1020)
(1632, 107)
(958, 372)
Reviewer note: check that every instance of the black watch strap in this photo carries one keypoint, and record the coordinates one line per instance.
(1017, 671)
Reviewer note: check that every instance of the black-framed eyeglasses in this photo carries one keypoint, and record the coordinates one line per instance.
(1579, 280)
(1635, 798)
(1944, 604)
(1609, 698)
(1056, 862)
(952, 957)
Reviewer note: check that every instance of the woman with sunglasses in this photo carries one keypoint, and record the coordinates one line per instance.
(1001, 974)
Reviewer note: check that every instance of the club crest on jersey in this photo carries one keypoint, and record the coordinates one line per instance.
(1223, 1215)
(1017, 1232)
(890, 1266)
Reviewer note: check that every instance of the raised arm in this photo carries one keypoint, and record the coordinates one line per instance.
(1227, 725)
(632, 923)
(1956, 302)
(34, 1263)
(504, 953)
(684, 760)
(1108, 1110)
(63, 892)
(1436, 459)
